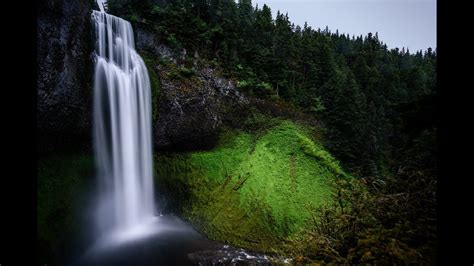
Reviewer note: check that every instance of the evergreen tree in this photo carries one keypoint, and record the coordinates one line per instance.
(364, 93)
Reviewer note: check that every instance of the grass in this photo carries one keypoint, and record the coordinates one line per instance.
(255, 188)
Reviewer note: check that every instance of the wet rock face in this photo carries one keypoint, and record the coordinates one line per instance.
(147, 41)
(190, 111)
(192, 107)
(190, 115)
(64, 83)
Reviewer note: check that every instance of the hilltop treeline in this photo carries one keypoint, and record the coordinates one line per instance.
(372, 100)
(377, 107)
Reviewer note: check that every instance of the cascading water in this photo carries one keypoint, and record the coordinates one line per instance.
(123, 150)
(122, 127)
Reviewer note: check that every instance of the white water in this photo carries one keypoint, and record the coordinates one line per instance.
(101, 3)
(122, 128)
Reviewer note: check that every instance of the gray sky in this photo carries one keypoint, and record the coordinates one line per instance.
(399, 23)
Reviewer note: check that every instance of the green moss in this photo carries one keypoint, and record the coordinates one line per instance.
(254, 189)
(315, 150)
(155, 83)
(61, 179)
(285, 178)
(181, 73)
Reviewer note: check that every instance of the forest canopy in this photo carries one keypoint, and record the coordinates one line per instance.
(369, 97)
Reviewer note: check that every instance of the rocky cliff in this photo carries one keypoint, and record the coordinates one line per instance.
(194, 100)
(64, 50)
(190, 109)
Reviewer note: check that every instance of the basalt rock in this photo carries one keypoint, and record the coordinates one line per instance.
(146, 41)
(64, 49)
(191, 112)
(194, 102)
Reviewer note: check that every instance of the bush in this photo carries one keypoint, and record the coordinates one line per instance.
(368, 223)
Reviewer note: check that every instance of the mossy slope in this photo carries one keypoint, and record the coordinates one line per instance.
(62, 180)
(253, 189)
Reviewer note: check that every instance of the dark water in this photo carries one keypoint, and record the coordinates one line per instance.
(174, 242)
(171, 242)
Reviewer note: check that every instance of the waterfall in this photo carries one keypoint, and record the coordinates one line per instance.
(122, 127)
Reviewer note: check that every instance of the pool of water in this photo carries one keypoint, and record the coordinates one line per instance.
(166, 240)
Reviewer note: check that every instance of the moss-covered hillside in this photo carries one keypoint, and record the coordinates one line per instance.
(63, 180)
(255, 189)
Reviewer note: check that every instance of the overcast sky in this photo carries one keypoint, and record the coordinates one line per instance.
(399, 23)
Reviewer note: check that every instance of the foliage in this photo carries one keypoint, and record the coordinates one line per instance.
(246, 192)
(316, 151)
(181, 73)
(61, 179)
(376, 107)
(155, 83)
(259, 183)
(370, 221)
(355, 85)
